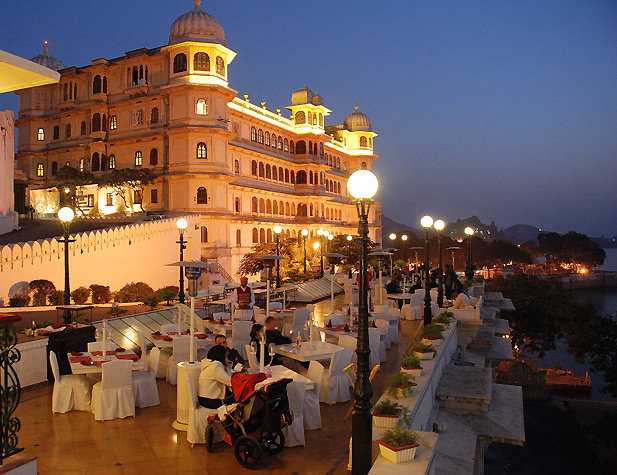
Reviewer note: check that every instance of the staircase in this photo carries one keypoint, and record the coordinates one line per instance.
(223, 276)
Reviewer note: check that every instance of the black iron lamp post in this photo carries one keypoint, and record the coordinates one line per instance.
(362, 186)
(427, 223)
(181, 224)
(404, 239)
(321, 234)
(66, 215)
(349, 240)
(278, 230)
(439, 226)
(416, 249)
(304, 235)
(469, 231)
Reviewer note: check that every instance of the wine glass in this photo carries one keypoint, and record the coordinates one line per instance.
(271, 352)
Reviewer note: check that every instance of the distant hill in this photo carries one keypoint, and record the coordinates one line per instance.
(520, 233)
(391, 226)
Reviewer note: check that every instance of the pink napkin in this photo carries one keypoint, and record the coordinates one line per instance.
(100, 353)
(130, 356)
(79, 359)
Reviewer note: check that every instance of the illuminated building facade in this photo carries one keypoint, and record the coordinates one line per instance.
(170, 109)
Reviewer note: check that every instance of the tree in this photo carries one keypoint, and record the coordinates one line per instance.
(134, 292)
(80, 295)
(42, 290)
(341, 245)
(290, 248)
(121, 180)
(500, 252)
(70, 180)
(570, 250)
(100, 293)
(168, 293)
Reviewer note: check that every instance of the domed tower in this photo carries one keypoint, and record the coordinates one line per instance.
(308, 111)
(356, 133)
(47, 60)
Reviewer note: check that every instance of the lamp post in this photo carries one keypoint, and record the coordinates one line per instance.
(362, 186)
(181, 224)
(426, 223)
(452, 249)
(349, 240)
(269, 263)
(439, 226)
(404, 239)
(304, 235)
(333, 257)
(392, 238)
(277, 231)
(66, 215)
(469, 231)
(330, 238)
(321, 234)
(416, 249)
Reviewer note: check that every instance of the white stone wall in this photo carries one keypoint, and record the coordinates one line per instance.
(8, 216)
(113, 257)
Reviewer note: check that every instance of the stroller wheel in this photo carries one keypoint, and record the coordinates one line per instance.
(248, 452)
(210, 438)
(273, 443)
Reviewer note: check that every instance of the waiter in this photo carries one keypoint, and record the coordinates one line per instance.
(244, 299)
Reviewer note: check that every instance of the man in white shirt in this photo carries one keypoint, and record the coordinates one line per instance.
(244, 299)
(462, 299)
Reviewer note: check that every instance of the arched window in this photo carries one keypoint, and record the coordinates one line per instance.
(321, 120)
(113, 122)
(83, 127)
(96, 122)
(112, 161)
(268, 171)
(138, 158)
(281, 208)
(66, 91)
(96, 84)
(135, 76)
(75, 91)
(103, 162)
(310, 119)
(254, 168)
(96, 162)
(300, 117)
(321, 152)
(292, 148)
(179, 63)
(262, 235)
(260, 136)
(67, 130)
(327, 213)
(280, 173)
(301, 210)
(105, 84)
(286, 175)
(253, 134)
(275, 173)
(326, 184)
(104, 123)
(154, 156)
(220, 66)
(314, 119)
(267, 139)
(363, 142)
(370, 142)
(255, 236)
(301, 147)
(315, 148)
(237, 205)
(201, 62)
(363, 166)
(56, 134)
(280, 143)
(54, 168)
(154, 115)
(322, 211)
(238, 238)
(202, 196)
(261, 170)
(310, 147)
(293, 209)
(338, 188)
(268, 207)
(40, 170)
(202, 151)
(269, 235)
(204, 234)
(262, 206)
(338, 162)
(301, 178)
(254, 202)
(287, 213)
(310, 174)
(286, 145)
(275, 207)
(237, 167)
(311, 208)
(201, 107)
(293, 177)
(274, 140)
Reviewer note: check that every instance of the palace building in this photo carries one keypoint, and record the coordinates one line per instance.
(171, 110)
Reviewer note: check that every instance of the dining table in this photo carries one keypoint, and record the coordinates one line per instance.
(92, 362)
(309, 350)
(166, 340)
(405, 297)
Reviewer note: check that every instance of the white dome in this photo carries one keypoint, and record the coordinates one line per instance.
(47, 60)
(357, 122)
(196, 25)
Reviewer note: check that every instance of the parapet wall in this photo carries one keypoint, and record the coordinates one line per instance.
(113, 257)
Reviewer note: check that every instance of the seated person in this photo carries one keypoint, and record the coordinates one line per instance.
(462, 299)
(256, 331)
(231, 355)
(393, 287)
(213, 379)
(273, 335)
(433, 280)
(417, 284)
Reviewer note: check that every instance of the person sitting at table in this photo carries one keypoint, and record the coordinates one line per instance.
(433, 280)
(393, 288)
(232, 355)
(256, 331)
(417, 284)
(462, 299)
(244, 300)
(213, 379)
(273, 335)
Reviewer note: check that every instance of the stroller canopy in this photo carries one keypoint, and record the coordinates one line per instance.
(243, 385)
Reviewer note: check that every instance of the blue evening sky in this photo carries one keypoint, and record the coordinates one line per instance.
(502, 109)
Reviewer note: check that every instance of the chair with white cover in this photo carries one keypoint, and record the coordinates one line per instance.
(113, 398)
(380, 296)
(143, 345)
(351, 297)
(198, 417)
(294, 433)
(144, 382)
(241, 336)
(312, 411)
(275, 305)
(384, 325)
(301, 315)
(334, 384)
(334, 319)
(98, 346)
(251, 357)
(374, 344)
(348, 341)
(394, 323)
(258, 315)
(71, 391)
(181, 352)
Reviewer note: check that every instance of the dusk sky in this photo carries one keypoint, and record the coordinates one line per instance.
(502, 109)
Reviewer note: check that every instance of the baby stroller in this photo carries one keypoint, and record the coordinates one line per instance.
(257, 421)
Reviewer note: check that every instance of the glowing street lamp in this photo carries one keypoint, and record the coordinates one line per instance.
(470, 232)
(66, 215)
(349, 240)
(439, 226)
(362, 186)
(427, 223)
(305, 234)
(321, 233)
(330, 238)
(404, 238)
(277, 231)
(181, 224)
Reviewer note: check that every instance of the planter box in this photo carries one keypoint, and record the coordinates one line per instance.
(428, 355)
(386, 421)
(401, 392)
(414, 372)
(398, 455)
(436, 342)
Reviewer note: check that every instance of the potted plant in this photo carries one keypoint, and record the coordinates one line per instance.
(431, 334)
(411, 365)
(386, 414)
(398, 445)
(424, 351)
(443, 318)
(400, 385)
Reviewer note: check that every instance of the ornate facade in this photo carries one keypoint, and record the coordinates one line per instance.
(170, 109)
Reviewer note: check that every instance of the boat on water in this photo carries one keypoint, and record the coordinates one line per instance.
(566, 382)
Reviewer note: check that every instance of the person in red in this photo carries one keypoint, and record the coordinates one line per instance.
(369, 278)
(244, 299)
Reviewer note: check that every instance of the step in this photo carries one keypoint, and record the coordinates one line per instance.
(465, 388)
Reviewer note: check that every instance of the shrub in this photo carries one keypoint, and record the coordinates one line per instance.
(399, 380)
(168, 293)
(42, 288)
(56, 297)
(116, 311)
(421, 347)
(399, 437)
(386, 407)
(134, 292)
(19, 300)
(411, 361)
(431, 331)
(443, 318)
(152, 301)
(100, 293)
(80, 296)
